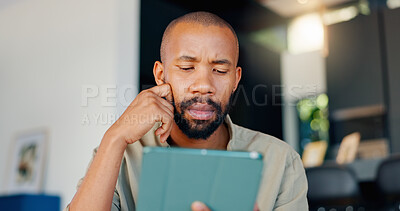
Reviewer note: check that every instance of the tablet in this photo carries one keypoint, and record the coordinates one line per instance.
(173, 178)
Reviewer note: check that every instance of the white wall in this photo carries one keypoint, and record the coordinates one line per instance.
(303, 75)
(49, 50)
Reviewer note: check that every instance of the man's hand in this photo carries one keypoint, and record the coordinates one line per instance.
(200, 206)
(148, 108)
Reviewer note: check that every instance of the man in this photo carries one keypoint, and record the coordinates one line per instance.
(195, 79)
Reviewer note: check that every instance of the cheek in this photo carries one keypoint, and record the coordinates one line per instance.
(225, 89)
(179, 89)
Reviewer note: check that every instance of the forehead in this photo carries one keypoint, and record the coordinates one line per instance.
(195, 38)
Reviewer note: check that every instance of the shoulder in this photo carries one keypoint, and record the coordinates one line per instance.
(270, 146)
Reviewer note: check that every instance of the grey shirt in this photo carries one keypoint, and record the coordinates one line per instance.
(283, 186)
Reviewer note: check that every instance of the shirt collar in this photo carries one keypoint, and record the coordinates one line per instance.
(231, 131)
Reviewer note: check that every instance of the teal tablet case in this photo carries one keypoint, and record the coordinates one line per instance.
(173, 178)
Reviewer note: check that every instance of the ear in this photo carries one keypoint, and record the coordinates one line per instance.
(158, 72)
(238, 76)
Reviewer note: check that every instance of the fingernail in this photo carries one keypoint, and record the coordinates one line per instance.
(198, 205)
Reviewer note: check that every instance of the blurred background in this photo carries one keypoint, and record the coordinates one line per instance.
(322, 75)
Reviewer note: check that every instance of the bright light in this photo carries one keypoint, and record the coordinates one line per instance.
(305, 34)
(302, 1)
(340, 15)
(393, 4)
(363, 6)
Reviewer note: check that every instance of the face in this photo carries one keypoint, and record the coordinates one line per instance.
(200, 65)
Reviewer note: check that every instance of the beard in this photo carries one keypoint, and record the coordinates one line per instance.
(200, 129)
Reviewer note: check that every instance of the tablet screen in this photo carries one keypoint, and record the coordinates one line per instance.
(173, 178)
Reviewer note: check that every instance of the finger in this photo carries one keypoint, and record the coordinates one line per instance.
(166, 104)
(166, 117)
(256, 207)
(163, 90)
(166, 121)
(199, 206)
(163, 104)
(161, 101)
(162, 108)
(164, 136)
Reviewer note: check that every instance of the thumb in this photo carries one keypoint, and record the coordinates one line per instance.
(256, 207)
(199, 206)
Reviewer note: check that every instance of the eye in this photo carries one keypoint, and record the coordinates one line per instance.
(220, 71)
(186, 68)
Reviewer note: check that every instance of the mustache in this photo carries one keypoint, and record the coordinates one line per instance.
(186, 103)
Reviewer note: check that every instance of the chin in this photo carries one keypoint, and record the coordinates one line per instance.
(198, 124)
(198, 129)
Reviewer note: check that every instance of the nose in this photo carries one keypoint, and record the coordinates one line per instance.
(202, 82)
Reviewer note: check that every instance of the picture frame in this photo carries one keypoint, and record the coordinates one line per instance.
(314, 153)
(26, 164)
(348, 148)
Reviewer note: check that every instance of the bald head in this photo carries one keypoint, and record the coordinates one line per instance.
(203, 18)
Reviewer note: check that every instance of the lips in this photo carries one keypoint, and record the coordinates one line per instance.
(201, 111)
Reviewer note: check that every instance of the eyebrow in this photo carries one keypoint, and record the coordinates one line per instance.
(194, 59)
(221, 61)
(187, 58)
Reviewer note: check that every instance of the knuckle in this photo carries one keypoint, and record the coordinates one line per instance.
(143, 93)
(150, 101)
(146, 94)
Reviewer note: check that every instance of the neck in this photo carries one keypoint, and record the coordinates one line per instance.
(218, 140)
